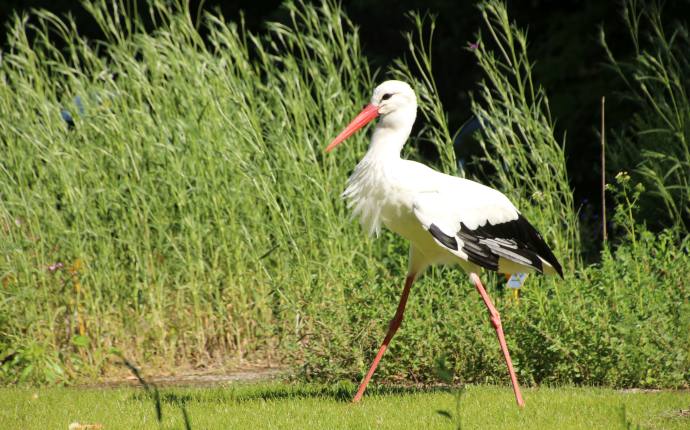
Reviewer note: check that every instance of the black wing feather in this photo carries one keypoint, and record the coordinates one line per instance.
(515, 240)
(448, 241)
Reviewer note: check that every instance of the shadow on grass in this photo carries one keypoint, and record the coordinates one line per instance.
(340, 392)
(151, 392)
(180, 397)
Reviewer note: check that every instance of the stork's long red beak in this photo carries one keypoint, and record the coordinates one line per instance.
(369, 112)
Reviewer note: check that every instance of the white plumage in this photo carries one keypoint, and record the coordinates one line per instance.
(408, 197)
(447, 220)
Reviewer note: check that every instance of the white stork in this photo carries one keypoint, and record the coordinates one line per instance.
(446, 219)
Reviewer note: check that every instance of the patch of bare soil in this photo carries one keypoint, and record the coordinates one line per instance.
(195, 379)
(640, 390)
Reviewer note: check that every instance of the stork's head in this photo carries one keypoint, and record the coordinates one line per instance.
(393, 96)
(394, 101)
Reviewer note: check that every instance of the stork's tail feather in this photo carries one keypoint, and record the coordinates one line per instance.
(534, 240)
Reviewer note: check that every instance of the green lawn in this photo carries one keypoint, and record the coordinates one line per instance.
(284, 406)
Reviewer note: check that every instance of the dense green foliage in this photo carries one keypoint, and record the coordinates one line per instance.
(300, 406)
(188, 215)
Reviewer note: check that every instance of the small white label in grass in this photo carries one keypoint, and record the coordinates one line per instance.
(516, 280)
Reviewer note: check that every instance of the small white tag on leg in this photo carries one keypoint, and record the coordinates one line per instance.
(516, 280)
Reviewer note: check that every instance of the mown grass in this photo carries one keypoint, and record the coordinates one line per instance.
(187, 216)
(316, 406)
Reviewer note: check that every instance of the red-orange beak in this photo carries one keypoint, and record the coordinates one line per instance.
(363, 118)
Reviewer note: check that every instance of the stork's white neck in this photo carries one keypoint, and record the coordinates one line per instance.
(390, 135)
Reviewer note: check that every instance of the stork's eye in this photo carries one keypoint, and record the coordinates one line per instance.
(386, 96)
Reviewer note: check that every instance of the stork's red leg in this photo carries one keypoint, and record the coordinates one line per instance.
(496, 321)
(392, 328)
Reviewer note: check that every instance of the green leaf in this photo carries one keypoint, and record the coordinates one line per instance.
(80, 341)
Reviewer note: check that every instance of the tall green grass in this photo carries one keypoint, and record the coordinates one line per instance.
(189, 217)
(191, 206)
